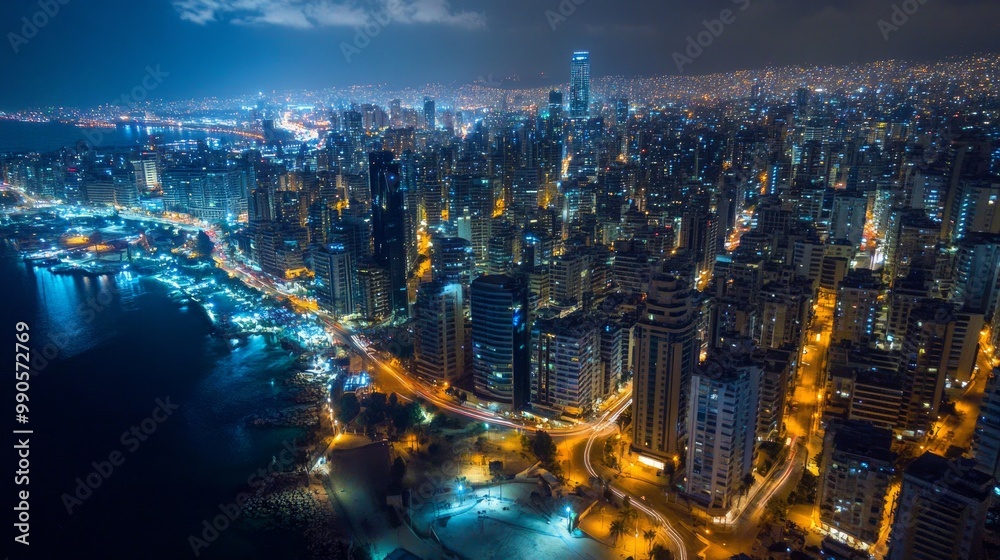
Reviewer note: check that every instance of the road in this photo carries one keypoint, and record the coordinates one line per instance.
(803, 420)
(392, 376)
(679, 543)
(958, 431)
(580, 440)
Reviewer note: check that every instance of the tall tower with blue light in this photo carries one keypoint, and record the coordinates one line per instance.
(579, 86)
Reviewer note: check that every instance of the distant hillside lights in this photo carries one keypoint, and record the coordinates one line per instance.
(131, 99)
(29, 30)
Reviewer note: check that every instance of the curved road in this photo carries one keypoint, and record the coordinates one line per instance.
(601, 428)
(430, 393)
(413, 386)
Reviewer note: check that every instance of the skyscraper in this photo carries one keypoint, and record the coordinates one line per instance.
(453, 261)
(388, 222)
(664, 357)
(579, 87)
(939, 352)
(942, 510)
(565, 363)
(986, 441)
(552, 136)
(856, 467)
(857, 307)
(430, 113)
(501, 357)
(440, 331)
(335, 288)
(621, 112)
(722, 419)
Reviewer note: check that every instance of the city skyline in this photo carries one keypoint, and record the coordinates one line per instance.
(734, 315)
(224, 48)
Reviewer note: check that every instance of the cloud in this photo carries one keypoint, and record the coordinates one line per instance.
(305, 14)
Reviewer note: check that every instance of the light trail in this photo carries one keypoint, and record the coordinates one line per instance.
(607, 421)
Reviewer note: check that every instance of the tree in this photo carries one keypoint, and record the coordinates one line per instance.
(406, 416)
(377, 406)
(624, 420)
(204, 246)
(617, 529)
(628, 514)
(650, 536)
(660, 552)
(776, 510)
(745, 483)
(609, 454)
(543, 447)
(805, 491)
(348, 408)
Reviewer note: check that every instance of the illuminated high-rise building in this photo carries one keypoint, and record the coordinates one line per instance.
(439, 345)
(941, 511)
(388, 223)
(664, 357)
(501, 357)
(858, 307)
(565, 364)
(430, 113)
(856, 467)
(452, 261)
(722, 424)
(335, 288)
(939, 354)
(986, 440)
(579, 86)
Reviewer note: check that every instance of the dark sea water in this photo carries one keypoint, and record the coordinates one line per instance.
(45, 137)
(113, 364)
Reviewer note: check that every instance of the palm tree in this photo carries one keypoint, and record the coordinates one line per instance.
(628, 513)
(660, 552)
(649, 535)
(617, 529)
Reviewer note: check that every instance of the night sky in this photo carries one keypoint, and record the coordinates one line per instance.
(94, 50)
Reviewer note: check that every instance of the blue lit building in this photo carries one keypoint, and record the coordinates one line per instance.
(501, 357)
(388, 225)
(579, 87)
